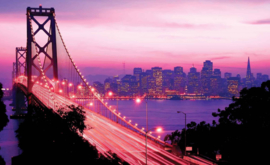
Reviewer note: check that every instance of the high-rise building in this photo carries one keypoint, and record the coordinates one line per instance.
(151, 84)
(107, 84)
(217, 72)
(227, 75)
(249, 76)
(167, 78)
(157, 74)
(206, 73)
(193, 85)
(99, 87)
(233, 86)
(143, 83)
(126, 82)
(258, 80)
(179, 80)
(265, 77)
(137, 72)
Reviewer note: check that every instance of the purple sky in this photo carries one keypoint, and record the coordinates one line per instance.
(103, 34)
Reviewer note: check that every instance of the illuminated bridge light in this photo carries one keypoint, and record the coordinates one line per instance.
(124, 117)
(150, 132)
(129, 121)
(158, 137)
(63, 83)
(142, 128)
(136, 125)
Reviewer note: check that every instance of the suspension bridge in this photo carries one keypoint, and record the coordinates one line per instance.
(47, 75)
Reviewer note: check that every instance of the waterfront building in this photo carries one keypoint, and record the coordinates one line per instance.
(265, 77)
(99, 87)
(107, 84)
(206, 73)
(233, 86)
(137, 72)
(167, 80)
(216, 85)
(217, 72)
(157, 74)
(193, 86)
(179, 80)
(151, 84)
(143, 83)
(126, 82)
(227, 75)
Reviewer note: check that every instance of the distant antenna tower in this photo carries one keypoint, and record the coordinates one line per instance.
(124, 68)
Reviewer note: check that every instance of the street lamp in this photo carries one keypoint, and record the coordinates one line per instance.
(110, 94)
(138, 100)
(159, 129)
(185, 129)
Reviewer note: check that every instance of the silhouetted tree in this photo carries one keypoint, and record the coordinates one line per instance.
(46, 137)
(174, 137)
(3, 116)
(241, 135)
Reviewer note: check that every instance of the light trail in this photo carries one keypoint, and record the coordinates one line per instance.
(108, 135)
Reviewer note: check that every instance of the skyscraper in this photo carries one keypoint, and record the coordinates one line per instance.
(233, 86)
(227, 75)
(157, 74)
(206, 73)
(193, 85)
(217, 72)
(137, 72)
(179, 79)
(248, 75)
(216, 82)
(143, 83)
(167, 78)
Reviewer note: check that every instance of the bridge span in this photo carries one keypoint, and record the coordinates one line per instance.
(108, 135)
(52, 79)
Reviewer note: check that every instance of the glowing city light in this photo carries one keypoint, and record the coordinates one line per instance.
(91, 104)
(138, 100)
(60, 90)
(110, 93)
(70, 84)
(159, 129)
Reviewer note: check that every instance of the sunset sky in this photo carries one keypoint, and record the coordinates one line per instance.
(102, 34)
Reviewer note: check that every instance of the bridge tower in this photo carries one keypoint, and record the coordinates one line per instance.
(20, 64)
(32, 54)
(14, 72)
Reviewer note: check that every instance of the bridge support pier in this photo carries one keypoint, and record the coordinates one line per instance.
(18, 103)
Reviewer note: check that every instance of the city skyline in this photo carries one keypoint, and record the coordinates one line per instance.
(157, 82)
(179, 33)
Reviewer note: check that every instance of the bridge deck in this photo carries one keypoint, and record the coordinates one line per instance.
(107, 135)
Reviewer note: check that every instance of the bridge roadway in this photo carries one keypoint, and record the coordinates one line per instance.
(107, 135)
